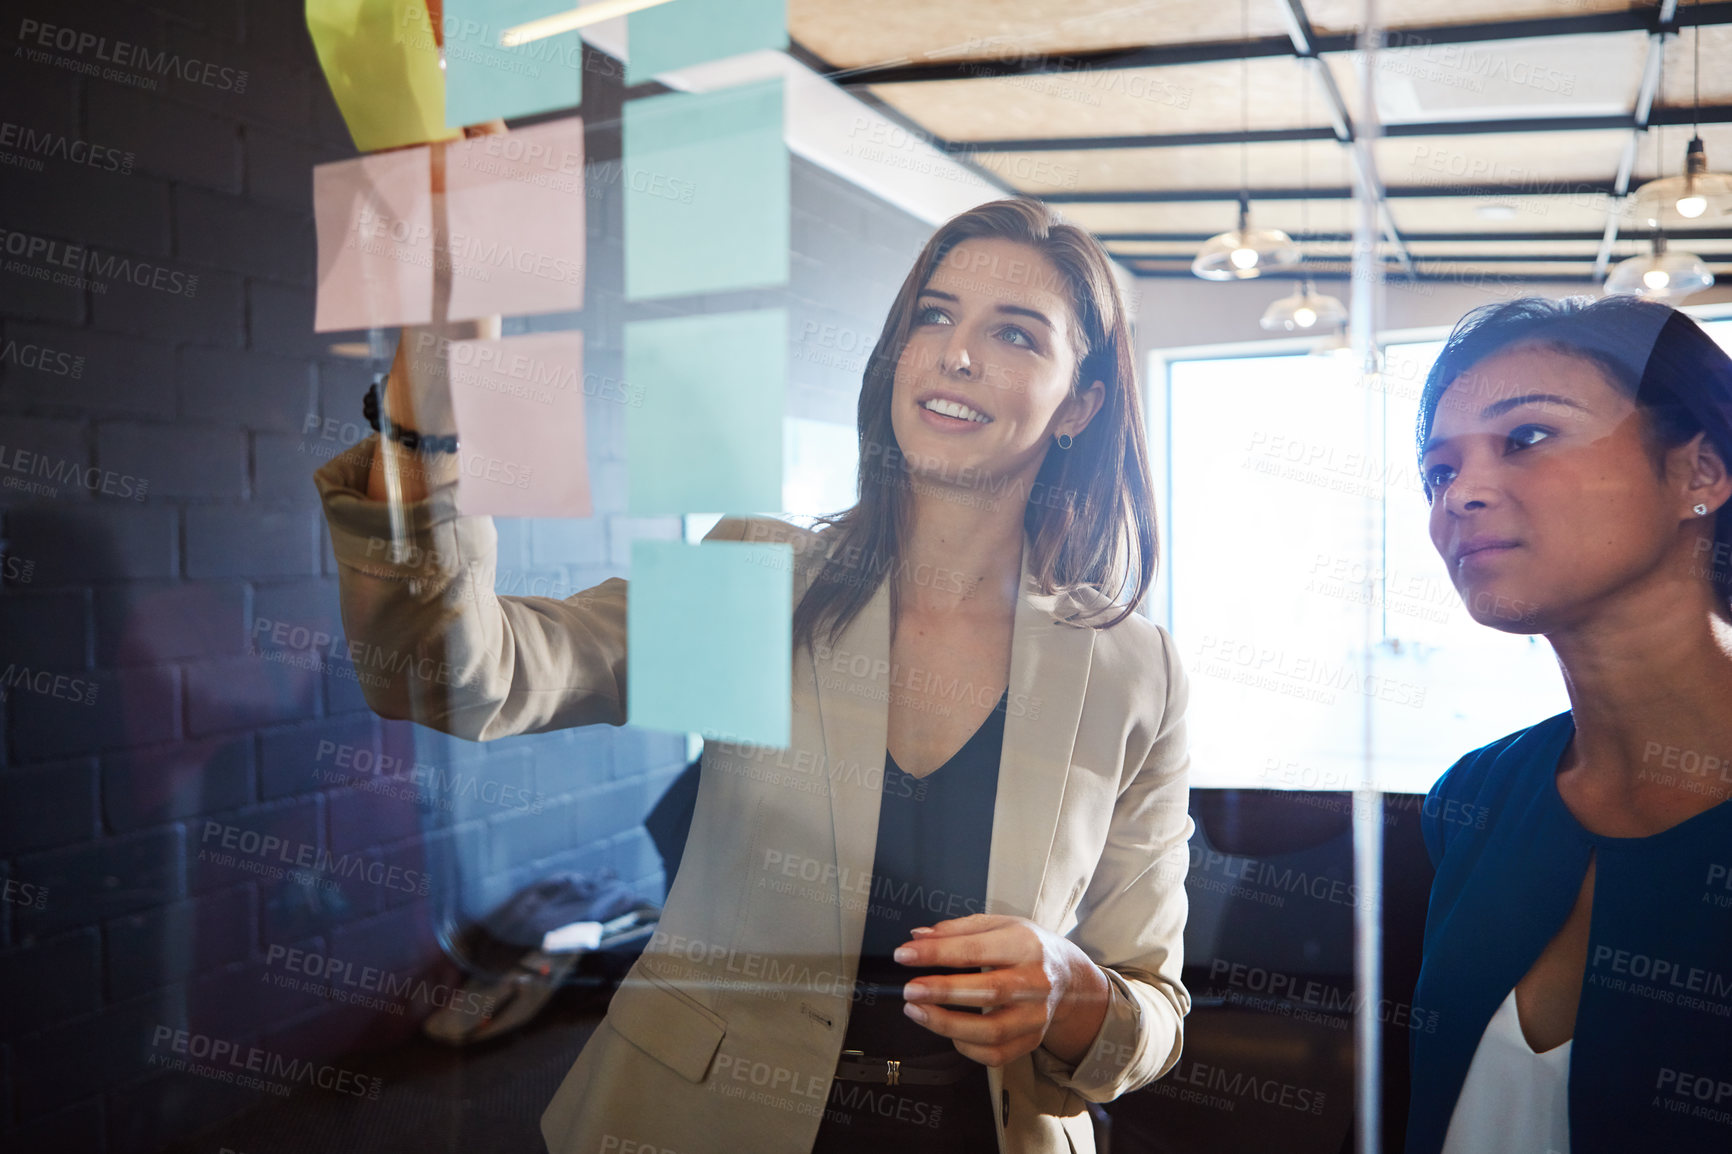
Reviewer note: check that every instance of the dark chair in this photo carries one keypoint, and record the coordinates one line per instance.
(1269, 1043)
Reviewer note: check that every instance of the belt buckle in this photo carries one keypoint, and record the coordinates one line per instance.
(892, 1071)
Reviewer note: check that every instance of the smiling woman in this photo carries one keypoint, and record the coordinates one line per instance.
(1575, 456)
(951, 912)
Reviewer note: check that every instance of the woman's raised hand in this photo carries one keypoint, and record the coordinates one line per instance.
(418, 388)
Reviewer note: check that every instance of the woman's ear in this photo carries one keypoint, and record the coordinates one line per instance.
(1080, 408)
(1710, 482)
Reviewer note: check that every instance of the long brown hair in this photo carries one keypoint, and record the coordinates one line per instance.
(1095, 525)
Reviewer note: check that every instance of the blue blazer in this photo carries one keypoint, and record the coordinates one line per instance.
(1651, 1064)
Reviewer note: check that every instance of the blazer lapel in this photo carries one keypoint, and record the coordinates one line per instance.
(1049, 666)
(854, 710)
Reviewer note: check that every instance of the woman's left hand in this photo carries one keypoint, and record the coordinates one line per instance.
(1039, 988)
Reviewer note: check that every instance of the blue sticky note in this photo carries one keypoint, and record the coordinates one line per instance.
(706, 191)
(708, 436)
(709, 633)
(688, 32)
(484, 81)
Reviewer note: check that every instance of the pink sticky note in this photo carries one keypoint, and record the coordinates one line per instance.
(375, 224)
(516, 210)
(520, 438)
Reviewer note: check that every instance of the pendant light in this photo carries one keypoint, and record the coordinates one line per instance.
(1698, 194)
(1245, 252)
(1307, 309)
(1658, 275)
(1667, 277)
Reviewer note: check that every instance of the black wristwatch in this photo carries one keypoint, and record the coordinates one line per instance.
(414, 441)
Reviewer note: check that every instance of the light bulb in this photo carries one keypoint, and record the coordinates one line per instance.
(1304, 317)
(1243, 257)
(1691, 206)
(1656, 278)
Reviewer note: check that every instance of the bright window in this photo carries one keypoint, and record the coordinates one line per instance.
(1312, 613)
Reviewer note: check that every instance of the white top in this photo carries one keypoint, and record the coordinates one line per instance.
(1513, 1101)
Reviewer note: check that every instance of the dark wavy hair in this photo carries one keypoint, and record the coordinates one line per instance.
(1099, 532)
(1679, 379)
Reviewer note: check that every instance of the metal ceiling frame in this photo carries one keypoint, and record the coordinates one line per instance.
(1434, 258)
(1515, 189)
(1340, 271)
(1420, 237)
(1303, 43)
(1341, 121)
(1623, 121)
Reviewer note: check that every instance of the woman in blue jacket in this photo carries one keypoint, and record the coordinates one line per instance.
(1578, 947)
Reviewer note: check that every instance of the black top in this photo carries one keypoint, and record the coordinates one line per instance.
(930, 864)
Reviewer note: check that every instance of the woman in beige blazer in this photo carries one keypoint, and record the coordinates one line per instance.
(1004, 534)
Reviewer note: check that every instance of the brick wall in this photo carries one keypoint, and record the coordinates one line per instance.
(174, 583)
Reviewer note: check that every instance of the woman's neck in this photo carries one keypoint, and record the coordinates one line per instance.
(961, 548)
(1650, 685)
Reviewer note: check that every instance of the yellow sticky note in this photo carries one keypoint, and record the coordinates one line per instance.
(382, 64)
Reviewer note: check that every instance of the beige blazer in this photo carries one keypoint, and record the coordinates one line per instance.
(724, 1036)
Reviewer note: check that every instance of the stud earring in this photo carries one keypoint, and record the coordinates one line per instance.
(1701, 510)
(1065, 441)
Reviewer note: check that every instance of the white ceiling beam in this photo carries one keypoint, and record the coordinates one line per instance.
(1646, 93)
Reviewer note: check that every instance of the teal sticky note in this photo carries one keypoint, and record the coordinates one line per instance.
(484, 81)
(706, 191)
(708, 436)
(687, 32)
(709, 633)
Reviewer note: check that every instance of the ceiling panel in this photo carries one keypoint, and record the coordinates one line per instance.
(854, 33)
(1715, 252)
(1175, 264)
(1214, 166)
(1121, 101)
(1185, 249)
(1109, 218)
(1210, 217)
(1561, 248)
(1570, 212)
(1344, 15)
(1529, 161)
(1540, 76)
(1498, 273)
(1716, 66)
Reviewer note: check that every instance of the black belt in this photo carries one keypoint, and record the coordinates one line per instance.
(929, 1070)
